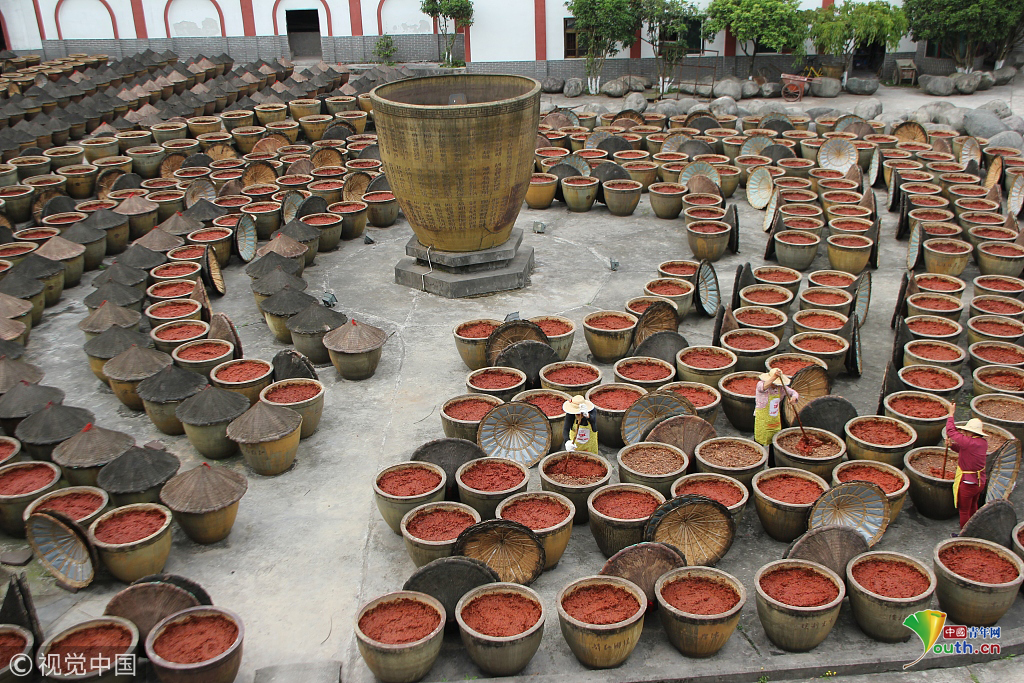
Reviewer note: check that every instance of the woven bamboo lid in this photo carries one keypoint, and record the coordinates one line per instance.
(262, 423)
(21, 287)
(286, 302)
(355, 337)
(13, 307)
(122, 274)
(136, 364)
(36, 267)
(212, 405)
(14, 371)
(25, 398)
(141, 257)
(316, 318)
(103, 219)
(11, 329)
(205, 211)
(60, 249)
(202, 489)
(299, 231)
(170, 384)
(80, 233)
(159, 240)
(276, 281)
(114, 341)
(180, 224)
(265, 265)
(283, 245)
(136, 205)
(114, 292)
(92, 447)
(137, 470)
(53, 424)
(221, 327)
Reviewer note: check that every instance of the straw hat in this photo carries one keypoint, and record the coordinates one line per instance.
(768, 377)
(974, 426)
(577, 405)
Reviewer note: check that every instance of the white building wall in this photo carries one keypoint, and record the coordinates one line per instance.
(503, 31)
(85, 19)
(20, 21)
(192, 19)
(400, 17)
(556, 14)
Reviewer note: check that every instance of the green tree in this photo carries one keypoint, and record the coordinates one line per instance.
(666, 26)
(775, 24)
(603, 27)
(450, 15)
(840, 30)
(961, 28)
(1004, 47)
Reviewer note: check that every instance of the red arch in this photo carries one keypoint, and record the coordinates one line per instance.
(380, 19)
(56, 18)
(327, 9)
(7, 37)
(167, 18)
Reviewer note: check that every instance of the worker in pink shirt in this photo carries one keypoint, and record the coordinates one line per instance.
(972, 448)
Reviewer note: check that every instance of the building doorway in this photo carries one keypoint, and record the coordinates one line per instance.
(303, 27)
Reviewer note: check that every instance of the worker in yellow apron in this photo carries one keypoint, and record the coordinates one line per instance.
(578, 432)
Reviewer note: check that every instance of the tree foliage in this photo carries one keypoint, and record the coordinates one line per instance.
(962, 27)
(841, 29)
(603, 27)
(776, 24)
(666, 25)
(450, 14)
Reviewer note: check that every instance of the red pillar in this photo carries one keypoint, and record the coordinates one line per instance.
(634, 49)
(248, 18)
(730, 44)
(139, 15)
(355, 17)
(540, 30)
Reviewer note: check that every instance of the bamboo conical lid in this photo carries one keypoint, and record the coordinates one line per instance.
(36, 267)
(354, 337)
(283, 245)
(114, 341)
(14, 371)
(114, 292)
(286, 302)
(180, 224)
(21, 287)
(92, 447)
(109, 315)
(212, 405)
(316, 318)
(25, 398)
(202, 489)
(60, 249)
(265, 265)
(136, 206)
(53, 424)
(170, 384)
(141, 257)
(159, 240)
(13, 307)
(11, 329)
(275, 281)
(262, 423)
(122, 274)
(137, 470)
(136, 364)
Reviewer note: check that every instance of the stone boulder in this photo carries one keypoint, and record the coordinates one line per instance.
(954, 118)
(614, 88)
(1005, 75)
(939, 86)
(998, 107)
(1008, 138)
(1015, 59)
(546, 106)
(922, 80)
(771, 90)
(778, 108)
(723, 106)
(826, 87)
(750, 89)
(861, 86)
(1014, 123)
(818, 112)
(573, 87)
(635, 101)
(730, 88)
(987, 80)
(552, 85)
(891, 120)
(983, 123)
(635, 83)
(705, 90)
(966, 84)
(922, 115)
(869, 108)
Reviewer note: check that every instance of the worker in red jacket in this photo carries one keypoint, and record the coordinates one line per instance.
(968, 483)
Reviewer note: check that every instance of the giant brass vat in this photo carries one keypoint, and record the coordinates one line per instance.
(459, 172)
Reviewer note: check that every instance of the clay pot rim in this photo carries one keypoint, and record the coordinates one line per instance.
(156, 274)
(533, 495)
(922, 394)
(726, 228)
(557, 365)
(914, 342)
(1004, 278)
(912, 434)
(196, 342)
(803, 235)
(229, 384)
(817, 432)
(487, 398)
(707, 573)
(165, 511)
(395, 596)
(715, 476)
(999, 550)
(770, 287)
(559, 318)
(601, 330)
(760, 308)
(522, 397)
(891, 556)
(611, 386)
(69, 490)
(830, 290)
(997, 421)
(641, 360)
(1019, 249)
(883, 467)
(800, 336)
(937, 319)
(493, 368)
(685, 284)
(503, 588)
(796, 355)
(740, 374)
(199, 610)
(667, 189)
(961, 285)
(168, 325)
(931, 295)
(615, 488)
(634, 186)
(978, 373)
(941, 370)
(215, 228)
(867, 242)
(999, 319)
(579, 488)
(455, 330)
(409, 464)
(615, 581)
(489, 459)
(265, 392)
(754, 331)
(1010, 234)
(668, 476)
(11, 466)
(711, 349)
(773, 472)
(736, 440)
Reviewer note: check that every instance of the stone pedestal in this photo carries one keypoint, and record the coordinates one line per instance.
(455, 275)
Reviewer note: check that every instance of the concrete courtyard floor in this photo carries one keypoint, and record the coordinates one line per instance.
(309, 546)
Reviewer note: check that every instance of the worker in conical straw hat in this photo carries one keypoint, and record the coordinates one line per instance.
(772, 387)
(578, 432)
(972, 450)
